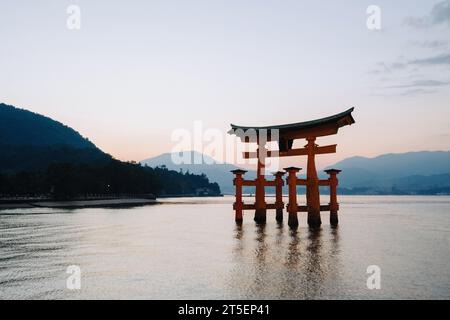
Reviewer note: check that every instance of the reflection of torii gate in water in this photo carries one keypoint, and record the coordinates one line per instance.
(287, 133)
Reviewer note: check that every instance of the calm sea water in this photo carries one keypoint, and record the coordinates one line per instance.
(192, 249)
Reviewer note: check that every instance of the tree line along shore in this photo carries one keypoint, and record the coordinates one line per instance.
(114, 180)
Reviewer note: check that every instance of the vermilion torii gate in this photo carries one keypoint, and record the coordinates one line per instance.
(286, 134)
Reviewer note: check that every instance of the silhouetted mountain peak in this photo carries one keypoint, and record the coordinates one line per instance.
(22, 127)
(32, 141)
(170, 159)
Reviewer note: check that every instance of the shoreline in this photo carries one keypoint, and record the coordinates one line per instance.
(118, 202)
(77, 203)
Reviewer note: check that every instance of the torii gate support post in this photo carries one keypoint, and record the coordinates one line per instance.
(292, 206)
(239, 204)
(260, 203)
(279, 195)
(334, 205)
(312, 186)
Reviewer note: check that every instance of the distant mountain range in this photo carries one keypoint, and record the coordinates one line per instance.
(426, 172)
(412, 172)
(215, 171)
(31, 141)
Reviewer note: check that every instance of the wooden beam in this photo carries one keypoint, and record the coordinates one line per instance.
(248, 206)
(270, 183)
(271, 206)
(304, 151)
(292, 152)
(324, 182)
(323, 207)
(249, 183)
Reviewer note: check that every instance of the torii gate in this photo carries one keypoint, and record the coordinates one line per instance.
(287, 133)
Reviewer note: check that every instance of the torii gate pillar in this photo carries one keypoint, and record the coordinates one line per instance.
(279, 195)
(260, 202)
(334, 205)
(312, 186)
(239, 204)
(292, 206)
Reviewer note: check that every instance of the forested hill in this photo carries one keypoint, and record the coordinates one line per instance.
(31, 141)
(41, 156)
(20, 127)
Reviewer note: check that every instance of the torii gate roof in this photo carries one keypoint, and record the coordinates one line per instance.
(319, 127)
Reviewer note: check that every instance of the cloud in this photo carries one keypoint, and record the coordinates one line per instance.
(431, 44)
(416, 22)
(422, 83)
(418, 87)
(415, 68)
(383, 67)
(440, 14)
(418, 91)
(443, 59)
(409, 92)
(439, 60)
(445, 135)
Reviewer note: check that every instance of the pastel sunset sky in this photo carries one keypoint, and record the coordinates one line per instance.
(138, 70)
